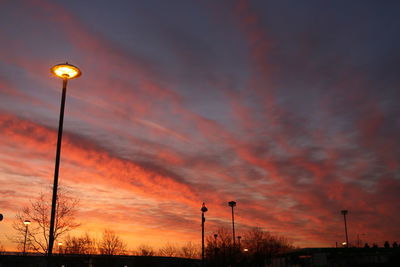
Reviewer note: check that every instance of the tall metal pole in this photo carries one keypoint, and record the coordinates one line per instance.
(56, 168)
(202, 236)
(344, 212)
(233, 204)
(203, 219)
(233, 227)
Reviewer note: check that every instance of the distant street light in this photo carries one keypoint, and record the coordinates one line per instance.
(233, 204)
(59, 247)
(203, 219)
(215, 245)
(239, 237)
(27, 223)
(65, 72)
(344, 212)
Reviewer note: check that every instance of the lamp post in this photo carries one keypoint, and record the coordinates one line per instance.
(215, 246)
(344, 212)
(239, 237)
(59, 247)
(27, 223)
(233, 204)
(65, 72)
(203, 219)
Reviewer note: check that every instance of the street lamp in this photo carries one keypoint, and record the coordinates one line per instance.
(344, 212)
(27, 223)
(59, 247)
(203, 219)
(65, 72)
(215, 245)
(233, 204)
(239, 237)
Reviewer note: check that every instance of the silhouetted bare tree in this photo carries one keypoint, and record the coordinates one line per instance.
(111, 244)
(169, 250)
(257, 248)
(38, 213)
(219, 250)
(190, 251)
(145, 250)
(262, 246)
(79, 245)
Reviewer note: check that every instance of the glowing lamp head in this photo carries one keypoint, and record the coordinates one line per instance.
(66, 71)
(60, 243)
(27, 222)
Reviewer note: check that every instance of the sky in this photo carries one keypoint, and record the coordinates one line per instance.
(289, 108)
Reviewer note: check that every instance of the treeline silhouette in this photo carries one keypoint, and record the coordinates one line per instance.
(255, 248)
(112, 244)
(386, 244)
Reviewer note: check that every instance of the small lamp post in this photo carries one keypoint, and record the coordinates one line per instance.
(59, 247)
(233, 204)
(27, 223)
(344, 212)
(215, 245)
(203, 219)
(65, 72)
(239, 237)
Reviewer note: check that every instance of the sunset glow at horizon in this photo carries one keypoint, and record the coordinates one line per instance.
(289, 109)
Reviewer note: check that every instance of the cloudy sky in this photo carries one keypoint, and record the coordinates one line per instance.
(290, 108)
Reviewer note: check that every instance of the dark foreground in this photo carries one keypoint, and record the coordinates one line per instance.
(308, 257)
(339, 257)
(95, 261)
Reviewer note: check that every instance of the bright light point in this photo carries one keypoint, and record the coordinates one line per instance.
(66, 71)
(246, 249)
(344, 243)
(27, 222)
